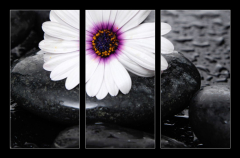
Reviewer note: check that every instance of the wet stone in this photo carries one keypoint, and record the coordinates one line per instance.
(210, 59)
(21, 24)
(218, 40)
(135, 109)
(209, 78)
(183, 38)
(210, 108)
(31, 131)
(112, 136)
(68, 138)
(203, 68)
(30, 42)
(221, 79)
(200, 44)
(167, 142)
(187, 49)
(178, 84)
(32, 89)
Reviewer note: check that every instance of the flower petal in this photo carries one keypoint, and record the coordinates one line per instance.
(95, 82)
(133, 67)
(166, 46)
(96, 16)
(102, 93)
(73, 79)
(60, 31)
(165, 28)
(144, 30)
(123, 16)
(62, 70)
(120, 75)
(92, 62)
(140, 56)
(71, 17)
(136, 20)
(109, 81)
(146, 43)
(112, 18)
(51, 38)
(59, 46)
(50, 64)
(164, 63)
(55, 18)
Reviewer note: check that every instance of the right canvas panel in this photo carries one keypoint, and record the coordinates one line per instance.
(195, 79)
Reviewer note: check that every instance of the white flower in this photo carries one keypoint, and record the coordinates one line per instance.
(166, 46)
(116, 41)
(61, 46)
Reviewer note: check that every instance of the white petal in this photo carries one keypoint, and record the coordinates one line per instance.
(49, 56)
(60, 31)
(55, 18)
(144, 30)
(64, 69)
(59, 46)
(105, 18)
(146, 43)
(165, 28)
(140, 56)
(102, 93)
(136, 20)
(50, 64)
(166, 46)
(92, 62)
(95, 82)
(90, 25)
(109, 81)
(133, 67)
(112, 18)
(51, 38)
(96, 16)
(164, 63)
(123, 16)
(120, 75)
(71, 17)
(73, 79)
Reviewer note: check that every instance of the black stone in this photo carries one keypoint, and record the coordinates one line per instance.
(209, 116)
(113, 136)
(167, 142)
(30, 42)
(68, 138)
(42, 16)
(30, 131)
(21, 24)
(32, 88)
(178, 84)
(135, 109)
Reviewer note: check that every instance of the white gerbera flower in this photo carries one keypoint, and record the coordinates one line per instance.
(115, 41)
(61, 46)
(166, 46)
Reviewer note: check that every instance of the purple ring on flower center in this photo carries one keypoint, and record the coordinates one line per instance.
(104, 40)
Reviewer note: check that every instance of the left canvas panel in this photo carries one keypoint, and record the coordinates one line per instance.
(44, 78)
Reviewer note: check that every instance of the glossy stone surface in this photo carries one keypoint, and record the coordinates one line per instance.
(213, 61)
(21, 24)
(68, 138)
(209, 116)
(167, 142)
(32, 88)
(31, 131)
(178, 84)
(113, 136)
(135, 109)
